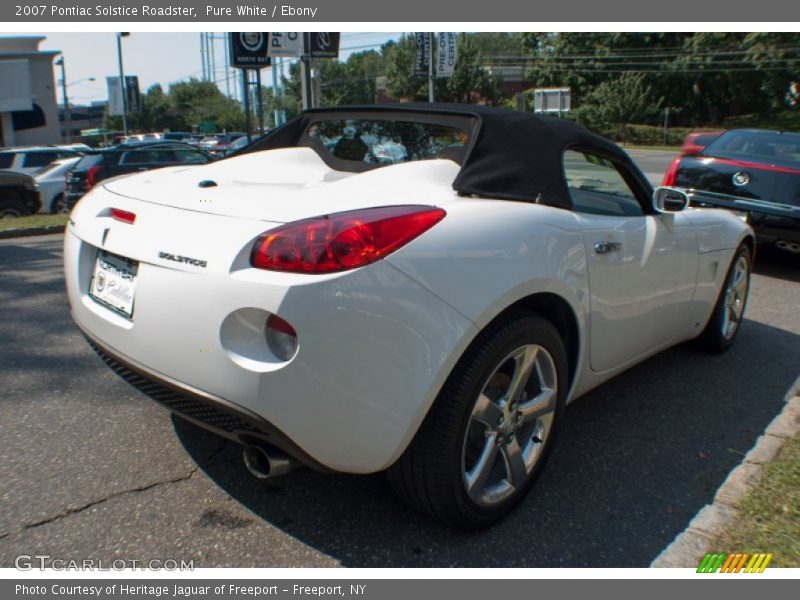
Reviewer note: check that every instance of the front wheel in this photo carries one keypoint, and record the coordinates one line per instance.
(489, 433)
(726, 320)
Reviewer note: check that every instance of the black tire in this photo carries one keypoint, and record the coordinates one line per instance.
(714, 338)
(60, 206)
(431, 474)
(12, 206)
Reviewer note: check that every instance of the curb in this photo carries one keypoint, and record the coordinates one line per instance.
(30, 231)
(689, 547)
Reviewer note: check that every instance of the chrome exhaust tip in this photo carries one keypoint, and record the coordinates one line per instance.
(266, 463)
(792, 247)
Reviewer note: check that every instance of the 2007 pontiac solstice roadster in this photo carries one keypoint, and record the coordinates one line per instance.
(412, 288)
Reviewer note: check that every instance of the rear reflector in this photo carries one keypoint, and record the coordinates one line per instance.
(342, 241)
(123, 215)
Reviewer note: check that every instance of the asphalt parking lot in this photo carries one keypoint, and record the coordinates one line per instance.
(92, 469)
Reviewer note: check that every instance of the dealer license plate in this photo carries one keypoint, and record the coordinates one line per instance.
(114, 282)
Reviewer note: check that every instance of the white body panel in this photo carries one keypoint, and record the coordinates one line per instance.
(375, 343)
(51, 184)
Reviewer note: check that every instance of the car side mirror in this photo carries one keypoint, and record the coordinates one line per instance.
(668, 199)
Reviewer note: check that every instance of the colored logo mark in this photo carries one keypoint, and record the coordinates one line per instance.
(721, 562)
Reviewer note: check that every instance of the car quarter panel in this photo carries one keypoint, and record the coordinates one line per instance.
(488, 254)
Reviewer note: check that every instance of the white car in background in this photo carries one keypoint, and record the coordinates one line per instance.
(429, 318)
(52, 181)
(31, 159)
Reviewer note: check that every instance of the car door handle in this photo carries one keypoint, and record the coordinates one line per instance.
(606, 247)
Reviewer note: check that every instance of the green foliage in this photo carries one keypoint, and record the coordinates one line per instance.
(704, 77)
(471, 81)
(183, 108)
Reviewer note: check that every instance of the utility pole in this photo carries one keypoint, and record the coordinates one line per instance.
(246, 93)
(305, 67)
(259, 103)
(67, 116)
(431, 70)
(122, 84)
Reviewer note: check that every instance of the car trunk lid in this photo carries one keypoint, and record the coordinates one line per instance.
(284, 185)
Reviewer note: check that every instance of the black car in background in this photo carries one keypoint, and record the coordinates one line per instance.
(126, 159)
(754, 171)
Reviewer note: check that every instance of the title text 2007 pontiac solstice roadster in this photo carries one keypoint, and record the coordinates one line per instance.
(412, 288)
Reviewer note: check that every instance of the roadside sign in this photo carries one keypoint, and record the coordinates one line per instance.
(324, 44)
(134, 95)
(285, 44)
(447, 55)
(115, 105)
(422, 54)
(551, 100)
(249, 50)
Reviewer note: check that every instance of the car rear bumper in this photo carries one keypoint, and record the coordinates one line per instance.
(205, 410)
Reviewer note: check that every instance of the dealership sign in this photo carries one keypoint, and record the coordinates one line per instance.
(323, 44)
(249, 50)
(422, 54)
(116, 106)
(285, 44)
(447, 55)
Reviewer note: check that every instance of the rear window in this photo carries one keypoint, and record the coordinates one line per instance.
(757, 146)
(371, 142)
(6, 160)
(705, 139)
(38, 159)
(89, 160)
(163, 156)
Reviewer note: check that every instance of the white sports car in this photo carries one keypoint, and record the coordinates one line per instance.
(430, 318)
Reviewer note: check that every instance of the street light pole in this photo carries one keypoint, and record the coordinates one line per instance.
(431, 72)
(67, 116)
(122, 84)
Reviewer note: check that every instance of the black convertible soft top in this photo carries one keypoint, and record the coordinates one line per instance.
(509, 155)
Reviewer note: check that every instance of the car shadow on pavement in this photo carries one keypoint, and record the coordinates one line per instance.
(637, 458)
(780, 264)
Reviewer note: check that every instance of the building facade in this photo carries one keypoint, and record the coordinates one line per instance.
(28, 105)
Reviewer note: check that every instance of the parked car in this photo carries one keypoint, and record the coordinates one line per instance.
(209, 142)
(30, 159)
(225, 143)
(176, 136)
(695, 142)
(125, 159)
(753, 171)
(430, 317)
(51, 181)
(19, 195)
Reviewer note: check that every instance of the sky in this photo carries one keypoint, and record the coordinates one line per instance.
(155, 58)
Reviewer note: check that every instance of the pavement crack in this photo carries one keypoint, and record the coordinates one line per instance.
(73, 511)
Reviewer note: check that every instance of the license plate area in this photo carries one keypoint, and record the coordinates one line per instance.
(114, 282)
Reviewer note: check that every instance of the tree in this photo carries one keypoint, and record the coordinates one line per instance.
(620, 101)
(471, 82)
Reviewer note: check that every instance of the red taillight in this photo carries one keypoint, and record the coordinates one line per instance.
(671, 174)
(342, 241)
(89, 181)
(123, 215)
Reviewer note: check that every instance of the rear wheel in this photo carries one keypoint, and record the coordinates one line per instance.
(489, 433)
(60, 205)
(726, 320)
(12, 206)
